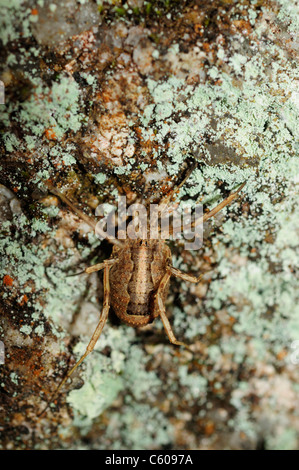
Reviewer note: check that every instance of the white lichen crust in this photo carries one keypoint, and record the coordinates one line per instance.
(107, 97)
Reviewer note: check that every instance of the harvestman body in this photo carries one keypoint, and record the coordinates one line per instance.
(136, 278)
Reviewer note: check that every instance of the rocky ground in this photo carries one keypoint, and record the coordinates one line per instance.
(119, 97)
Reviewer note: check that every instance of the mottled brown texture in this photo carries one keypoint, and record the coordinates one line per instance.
(135, 279)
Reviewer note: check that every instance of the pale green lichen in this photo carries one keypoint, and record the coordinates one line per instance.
(59, 292)
(285, 440)
(14, 377)
(139, 426)
(15, 14)
(289, 12)
(252, 110)
(256, 116)
(60, 112)
(26, 329)
(195, 384)
(49, 112)
(106, 377)
(189, 326)
(39, 330)
(100, 178)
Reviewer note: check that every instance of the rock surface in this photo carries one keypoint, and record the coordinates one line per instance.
(109, 97)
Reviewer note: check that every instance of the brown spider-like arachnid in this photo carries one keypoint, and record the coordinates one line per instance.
(136, 276)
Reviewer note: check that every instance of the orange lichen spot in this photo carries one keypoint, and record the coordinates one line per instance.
(37, 372)
(23, 300)
(206, 47)
(138, 131)
(209, 428)
(106, 96)
(282, 354)
(7, 280)
(17, 419)
(242, 26)
(198, 28)
(34, 11)
(15, 190)
(50, 134)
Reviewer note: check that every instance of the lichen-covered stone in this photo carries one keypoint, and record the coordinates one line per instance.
(106, 97)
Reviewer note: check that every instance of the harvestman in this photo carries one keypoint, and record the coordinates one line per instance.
(136, 276)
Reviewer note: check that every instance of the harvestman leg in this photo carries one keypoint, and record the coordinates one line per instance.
(161, 309)
(213, 211)
(96, 267)
(186, 277)
(216, 209)
(167, 198)
(103, 318)
(72, 206)
(80, 213)
(160, 304)
(99, 266)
